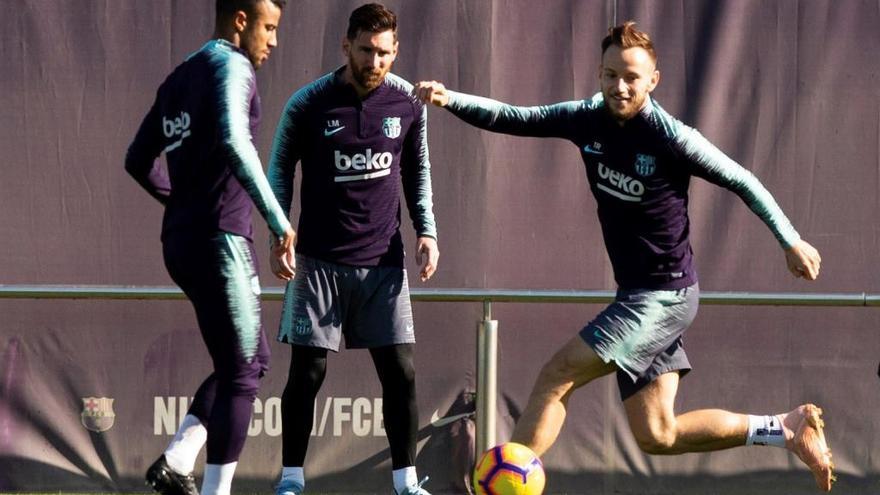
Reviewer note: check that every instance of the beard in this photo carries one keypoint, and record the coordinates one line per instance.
(256, 61)
(624, 110)
(367, 78)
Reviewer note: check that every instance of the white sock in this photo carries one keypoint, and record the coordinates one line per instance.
(184, 448)
(765, 430)
(218, 479)
(294, 474)
(404, 477)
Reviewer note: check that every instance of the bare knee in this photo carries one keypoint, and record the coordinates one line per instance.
(557, 369)
(557, 378)
(574, 364)
(657, 439)
(652, 416)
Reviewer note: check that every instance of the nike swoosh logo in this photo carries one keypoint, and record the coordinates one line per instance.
(437, 421)
(589, 149)
(329, 132)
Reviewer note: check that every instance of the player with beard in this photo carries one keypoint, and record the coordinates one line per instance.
(639, 161)
(360, 135)
(203, 119)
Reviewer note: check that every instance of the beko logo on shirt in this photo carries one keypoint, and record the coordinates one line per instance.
(176, 126)
(381, 162)
(367, 161)
(627, 188)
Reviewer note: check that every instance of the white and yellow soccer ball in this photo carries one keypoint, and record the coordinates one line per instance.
(509, 469)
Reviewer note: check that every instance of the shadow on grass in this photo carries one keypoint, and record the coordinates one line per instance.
(28, 476)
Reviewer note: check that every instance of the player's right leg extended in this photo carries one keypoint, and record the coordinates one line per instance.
(573, 366)
(658, 430)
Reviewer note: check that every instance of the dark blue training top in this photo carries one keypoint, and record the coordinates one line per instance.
(355, 154)
(639, 174)
(203, 119)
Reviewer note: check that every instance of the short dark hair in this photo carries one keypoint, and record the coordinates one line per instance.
(226, 8)
(627, 36)
(372, 18)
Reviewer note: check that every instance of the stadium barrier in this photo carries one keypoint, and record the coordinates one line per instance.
(487, 328)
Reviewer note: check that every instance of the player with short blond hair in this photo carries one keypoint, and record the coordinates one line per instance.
(639, 161)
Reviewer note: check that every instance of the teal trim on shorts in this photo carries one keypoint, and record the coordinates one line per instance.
(242, 291)
(640, 325)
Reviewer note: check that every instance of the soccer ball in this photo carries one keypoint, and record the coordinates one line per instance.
(509, 469)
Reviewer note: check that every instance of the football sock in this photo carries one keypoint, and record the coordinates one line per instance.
(184, 448)
(404, 477)
(765, 430)
(294, 474)
(218, 479)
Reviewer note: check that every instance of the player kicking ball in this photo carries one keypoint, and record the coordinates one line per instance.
(639, 161)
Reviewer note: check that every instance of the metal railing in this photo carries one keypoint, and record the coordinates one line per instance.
(452, 295)
(487, 328)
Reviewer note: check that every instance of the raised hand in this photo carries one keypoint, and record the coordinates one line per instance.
(433, 92)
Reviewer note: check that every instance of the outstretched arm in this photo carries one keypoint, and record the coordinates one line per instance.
(539, 121)
(709, 162)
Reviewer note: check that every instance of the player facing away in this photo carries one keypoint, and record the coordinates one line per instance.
(639, 161)
(203, 119)
(360, 136)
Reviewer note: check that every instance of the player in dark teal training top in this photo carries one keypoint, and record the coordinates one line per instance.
(360, 137)
(639, 161)
(203, 120)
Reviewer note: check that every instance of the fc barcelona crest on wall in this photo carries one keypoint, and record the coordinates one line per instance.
(97, 414)
(645, 165)
(391, 127)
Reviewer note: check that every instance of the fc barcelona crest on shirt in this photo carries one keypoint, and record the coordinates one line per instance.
(97, 414)
(391, 127)
(645, 165)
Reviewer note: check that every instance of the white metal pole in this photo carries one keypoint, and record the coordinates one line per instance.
(487, 380)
